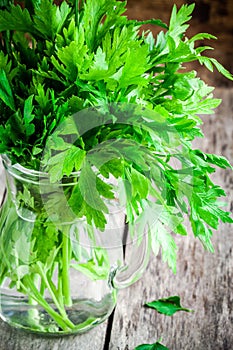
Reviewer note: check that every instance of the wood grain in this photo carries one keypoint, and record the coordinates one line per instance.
(12, 339)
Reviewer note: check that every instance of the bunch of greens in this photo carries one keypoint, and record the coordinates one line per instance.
(137, 109)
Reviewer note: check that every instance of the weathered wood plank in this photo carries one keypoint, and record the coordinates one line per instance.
(203, 280)
(12, 339)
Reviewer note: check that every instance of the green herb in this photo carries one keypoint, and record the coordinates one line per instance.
(83, 90)
(156, 346)
(167, 306)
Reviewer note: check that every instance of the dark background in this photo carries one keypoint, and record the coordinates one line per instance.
(210, 16)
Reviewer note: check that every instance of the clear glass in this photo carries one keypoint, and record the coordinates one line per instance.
(59, 274)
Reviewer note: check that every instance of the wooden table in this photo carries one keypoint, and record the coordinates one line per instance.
(204, 282)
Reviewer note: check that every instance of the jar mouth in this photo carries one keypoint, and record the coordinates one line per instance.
(34, 176)
(18, 167)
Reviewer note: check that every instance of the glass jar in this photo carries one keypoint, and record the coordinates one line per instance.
(59, 274)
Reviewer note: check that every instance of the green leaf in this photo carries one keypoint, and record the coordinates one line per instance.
(104, 189)
(49, 18)
(73, 160)
(5, 90)
(88, 188)
(202, 36)
(64, 162)
(43, 98)
(178, 19)
(72, 57)
(207, 63)
(167, 306)
(132, 71)
(28, 115)
(96, 268)
(5, 63)
(94, 216)
(215, 159)
(114, 167)
(153, 218)
(99, 68)
(26, 197)
(94, 11)
(153, 21)
(139, 184)
(209, 218)
(46, 236)
(54, 167)
(161, 237)
(205, 107)
(173, 219)
(221, 69)
(16, 19)
(76, 202)
(156, 346)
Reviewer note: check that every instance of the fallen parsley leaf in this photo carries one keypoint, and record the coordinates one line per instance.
(167, 306)
(156, 346)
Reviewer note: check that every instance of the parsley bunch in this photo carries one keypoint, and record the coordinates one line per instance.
(84, 89)
(56, 61)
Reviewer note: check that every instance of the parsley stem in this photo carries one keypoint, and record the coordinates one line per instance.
(51, 291)
(76, 12)
(7, 40)
(65, 268)
(33, 313)
(59, 285)
(42, 287)
(30, 289)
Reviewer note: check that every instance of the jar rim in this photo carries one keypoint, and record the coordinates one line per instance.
(6, 161)
(19, 171)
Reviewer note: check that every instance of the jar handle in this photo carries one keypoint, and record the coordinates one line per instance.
(131, 271)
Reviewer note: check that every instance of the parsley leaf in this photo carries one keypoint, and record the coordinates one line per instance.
(167, 306)
(5, 90)
(16, 19)
(156, 346)
(49, 18)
